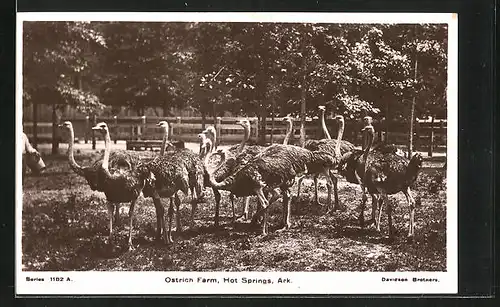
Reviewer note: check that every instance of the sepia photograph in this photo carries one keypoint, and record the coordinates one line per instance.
(237, 153)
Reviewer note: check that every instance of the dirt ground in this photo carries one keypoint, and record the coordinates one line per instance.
(65, 226)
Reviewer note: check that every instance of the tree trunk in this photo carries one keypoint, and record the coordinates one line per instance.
(55, 135)
(412, 113)
(262, 128)
(203, 118)
(303, 102)
(35, 125)
(387, 119)
(94, 122)
(272, 121)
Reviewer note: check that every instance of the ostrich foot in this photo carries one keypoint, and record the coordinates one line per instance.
(286, 227)
(410, 239)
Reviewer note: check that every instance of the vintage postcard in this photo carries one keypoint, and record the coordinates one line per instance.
(236, 153)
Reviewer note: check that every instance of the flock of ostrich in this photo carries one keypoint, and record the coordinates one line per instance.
(244, 170)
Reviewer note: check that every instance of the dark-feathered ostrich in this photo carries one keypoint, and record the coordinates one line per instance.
(383, 174)
(176, 170)
(327, 145)
(275, 167)
(333, 147)
(120, 187)
(225, 162)
(118, 160)
(31, 158)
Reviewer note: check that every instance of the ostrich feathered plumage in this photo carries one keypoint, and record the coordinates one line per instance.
(274, 167)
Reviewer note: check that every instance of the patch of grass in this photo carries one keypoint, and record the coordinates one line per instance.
(65, 227)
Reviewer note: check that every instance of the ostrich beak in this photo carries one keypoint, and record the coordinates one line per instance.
(96, 128)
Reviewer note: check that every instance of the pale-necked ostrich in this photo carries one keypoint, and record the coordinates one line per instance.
(120, 187)
(118, 160)
(178, 170)
(384, 173)
(334, 149)
(31, 158)
(277, 166)
(168, 145)
(327, 144)
(229, 160)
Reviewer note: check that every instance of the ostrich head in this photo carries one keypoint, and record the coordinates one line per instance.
(102, 126)
(163, 124)
(367, 120)
(339, 118)
(245, 123)
(288, 119)
(66, 125)
(322, 108)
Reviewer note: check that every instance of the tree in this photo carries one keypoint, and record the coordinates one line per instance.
(56, 55)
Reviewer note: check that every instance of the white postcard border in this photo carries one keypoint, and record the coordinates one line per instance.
(129, 283)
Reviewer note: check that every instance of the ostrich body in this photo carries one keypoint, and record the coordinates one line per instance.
(384, 174)
(328, 145)
(119, 187)
(275, 167)
(228, 163)
(334, 149)
(31, 158)
(175, 170)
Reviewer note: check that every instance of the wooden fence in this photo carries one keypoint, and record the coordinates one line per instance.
(426, 132)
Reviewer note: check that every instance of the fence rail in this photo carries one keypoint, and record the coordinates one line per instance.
(427, 133)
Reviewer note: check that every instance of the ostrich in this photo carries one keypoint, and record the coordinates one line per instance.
(332, 147)
(229, 161)
(31, 158)
(118, 159)
(328, 145)
(179, 170)
(275, 167)
(121, 187)
(383, 174)
(168, 145)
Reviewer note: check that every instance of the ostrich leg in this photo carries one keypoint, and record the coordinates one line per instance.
(231, 197)
(117, 214)
(264, 205)
(160, 217)
(111, 209)
(131, 221)
(247, 208)
(411, 206)
(389, 217)
(299, 184)
(217, 197)
(316, 189)
(168, 235)
(286, 208)
(178, 228)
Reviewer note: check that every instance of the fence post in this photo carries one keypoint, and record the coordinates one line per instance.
(87, 128)
(115, 119)
(431, 138)
(94, 122)
(142, 128)
(416, 144)
(218, 124)
(255, 125)
(179, 129)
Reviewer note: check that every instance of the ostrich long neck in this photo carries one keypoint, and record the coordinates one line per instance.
(74, 166)
(366, 150)
(246, 136)
(226, 184)
(323, 125)
(164, 141)
(107, 149)
(339, 138)
(288, 133)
